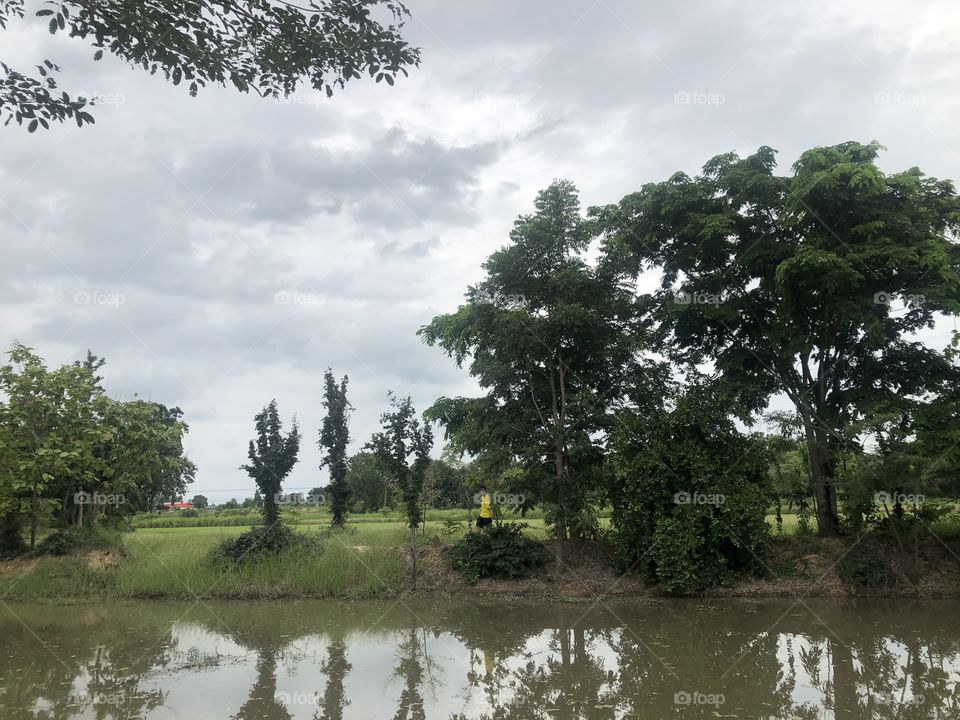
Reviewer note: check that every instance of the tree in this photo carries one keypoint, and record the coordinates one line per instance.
(789, 284)
(369, 484)
(272, 457)
(690, 494)
(200, 502)
(334, 437)
(443, 485)
(268, 47)
(402, 449)
(554, 343)
(46, 432)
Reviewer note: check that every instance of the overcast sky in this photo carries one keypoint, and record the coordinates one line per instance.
(161, 236)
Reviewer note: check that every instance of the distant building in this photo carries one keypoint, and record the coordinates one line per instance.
(176, 506)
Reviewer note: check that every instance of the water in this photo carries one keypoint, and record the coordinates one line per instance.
(656, 659)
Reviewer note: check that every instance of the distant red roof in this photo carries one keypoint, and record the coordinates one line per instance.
(177, 506)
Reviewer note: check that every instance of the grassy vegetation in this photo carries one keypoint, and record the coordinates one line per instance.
(368, 560)
(309, 515)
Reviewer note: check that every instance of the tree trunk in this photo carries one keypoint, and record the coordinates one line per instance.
(822, 477)
(413, 556)
(561, 523)
(33, 518)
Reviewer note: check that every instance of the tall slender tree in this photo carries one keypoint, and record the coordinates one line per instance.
(334, 436)
(554, 342)
(272, 456)
(403, 449)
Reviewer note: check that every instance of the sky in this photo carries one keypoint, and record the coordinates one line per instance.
(224, 250)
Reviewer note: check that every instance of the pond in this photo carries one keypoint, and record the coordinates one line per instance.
(413, 659)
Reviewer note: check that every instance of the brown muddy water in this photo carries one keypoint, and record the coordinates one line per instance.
(410, 659)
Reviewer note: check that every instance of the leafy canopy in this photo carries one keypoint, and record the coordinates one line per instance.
(268, 47)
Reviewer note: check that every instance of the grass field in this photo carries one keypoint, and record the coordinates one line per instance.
(368, 560)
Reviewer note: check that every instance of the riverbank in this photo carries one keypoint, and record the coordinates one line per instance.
(373, 561)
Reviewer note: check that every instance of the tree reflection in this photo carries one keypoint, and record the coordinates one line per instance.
(335, 667)
(765, 660)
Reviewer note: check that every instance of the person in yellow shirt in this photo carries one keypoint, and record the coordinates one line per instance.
(486, 509)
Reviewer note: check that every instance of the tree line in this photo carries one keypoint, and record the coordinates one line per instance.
(809, 287)
(602, 389)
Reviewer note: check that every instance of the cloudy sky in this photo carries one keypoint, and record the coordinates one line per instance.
(163, 236)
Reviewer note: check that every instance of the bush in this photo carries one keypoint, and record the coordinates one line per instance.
(866, 567)
(499, 551)
(62, 542)
(690, 496)
(255, 543)
(68, 540)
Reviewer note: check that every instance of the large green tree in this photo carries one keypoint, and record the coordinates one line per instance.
(268, 47)
(69, 453)
(272, 456)
(46, 428)
(553, 340)
(334, 436)
(811, 285)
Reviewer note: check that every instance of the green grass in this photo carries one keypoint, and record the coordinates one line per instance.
(367, 561)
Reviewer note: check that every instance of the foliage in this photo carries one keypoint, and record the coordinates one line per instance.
(68, 540)
(254, 544)
(64, 443)
(866, 567)
(810, 285)
(404, 437)
(334, 437)
(553, 341)
(501, 551)
(443, 485)
(690, 495)
(272, 457)
(259, 46)
(369, 485)
(200, 502)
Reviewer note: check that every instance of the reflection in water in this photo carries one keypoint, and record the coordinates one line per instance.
(330, 661)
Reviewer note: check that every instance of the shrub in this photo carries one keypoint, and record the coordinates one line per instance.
(500, 551)
(254, 544)
(866, 567)
(690, 496)
(61, 542)
(68, 540)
